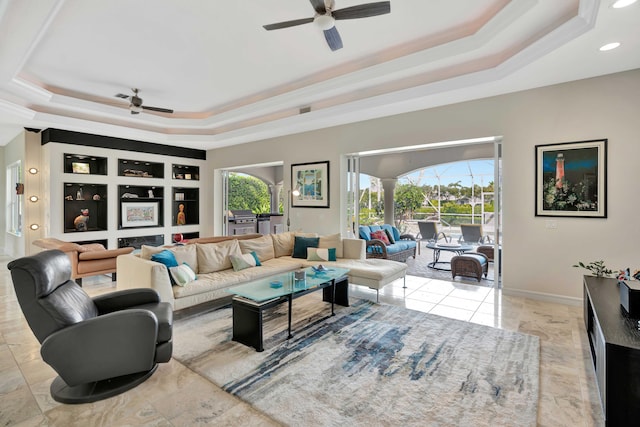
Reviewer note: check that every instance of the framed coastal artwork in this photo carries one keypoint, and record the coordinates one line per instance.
(310, 185)
(571, 179)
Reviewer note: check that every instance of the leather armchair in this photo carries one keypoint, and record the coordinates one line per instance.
(99, 347)
(86, 260)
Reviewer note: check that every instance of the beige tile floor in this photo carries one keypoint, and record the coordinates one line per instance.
(177, 396)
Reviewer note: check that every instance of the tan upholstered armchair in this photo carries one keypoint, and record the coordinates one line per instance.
(86, 260)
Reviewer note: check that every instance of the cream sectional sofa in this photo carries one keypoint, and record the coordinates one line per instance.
(209, 258)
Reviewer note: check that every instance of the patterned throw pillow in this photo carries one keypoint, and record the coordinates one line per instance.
(380, 235)
(182, 274)
(321, 254)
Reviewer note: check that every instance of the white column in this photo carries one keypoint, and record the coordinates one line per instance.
(274, 192)
(389, 187)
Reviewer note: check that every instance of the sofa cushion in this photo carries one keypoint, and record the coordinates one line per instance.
(321, 254)
(301, 244)
(365, 232)
(262, 246)
(184, 254)
(332, 241)
(214, 257)
(283, 244)
(240, 262)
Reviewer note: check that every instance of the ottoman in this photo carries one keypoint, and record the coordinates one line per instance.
(374, 273)
(471, 264)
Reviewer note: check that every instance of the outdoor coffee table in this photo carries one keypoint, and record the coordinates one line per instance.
(457, 248)
(252, 298)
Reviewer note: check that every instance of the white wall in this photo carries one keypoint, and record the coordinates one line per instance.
(537, 260)
(3, 184)
(15, 150)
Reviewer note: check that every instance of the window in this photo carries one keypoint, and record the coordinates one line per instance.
(15, 191)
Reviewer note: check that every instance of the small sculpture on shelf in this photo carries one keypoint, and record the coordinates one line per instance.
(182, 219)
(79, 194)
(96, 197)
(81, 222)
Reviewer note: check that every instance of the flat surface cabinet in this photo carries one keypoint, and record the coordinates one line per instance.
(614, 342)
(85, 207)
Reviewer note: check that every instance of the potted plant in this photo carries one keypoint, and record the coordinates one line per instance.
(597, 268)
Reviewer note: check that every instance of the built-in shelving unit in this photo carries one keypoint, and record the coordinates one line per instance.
(140, 206)
(82, 164)
(113, 177)
(186, 201)
(85, 207)
(186, 172)
(140, 169)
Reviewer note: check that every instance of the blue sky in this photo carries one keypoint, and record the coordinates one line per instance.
(449, 173)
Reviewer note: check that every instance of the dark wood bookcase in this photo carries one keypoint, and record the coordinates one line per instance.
(614, 340)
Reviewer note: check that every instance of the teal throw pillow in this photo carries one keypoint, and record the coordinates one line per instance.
(165, 257)
(301, 244)
(321, 254)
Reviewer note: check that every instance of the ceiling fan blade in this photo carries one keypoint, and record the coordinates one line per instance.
(122, 95)
(318, 6)
(333, 38)
(363, 10)
(287, 24)
(158, 109)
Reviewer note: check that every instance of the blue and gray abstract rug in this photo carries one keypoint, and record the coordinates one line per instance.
(369, 365)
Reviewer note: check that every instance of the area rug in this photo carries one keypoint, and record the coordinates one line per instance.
(370, 364)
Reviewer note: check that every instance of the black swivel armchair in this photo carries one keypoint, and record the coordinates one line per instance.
(99, 347)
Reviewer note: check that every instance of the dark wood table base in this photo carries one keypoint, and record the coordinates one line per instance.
(247, 315)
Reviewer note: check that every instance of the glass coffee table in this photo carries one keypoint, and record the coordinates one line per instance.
(252, 298)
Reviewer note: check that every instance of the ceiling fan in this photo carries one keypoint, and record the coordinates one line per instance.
(326, 16)
(136, 106)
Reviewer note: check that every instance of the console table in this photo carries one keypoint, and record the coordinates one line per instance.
(615, 350)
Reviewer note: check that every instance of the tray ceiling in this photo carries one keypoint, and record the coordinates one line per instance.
(230, 81)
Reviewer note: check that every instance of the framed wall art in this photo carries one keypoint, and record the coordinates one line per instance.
(311, 180)
(139, 214)
(571, 179)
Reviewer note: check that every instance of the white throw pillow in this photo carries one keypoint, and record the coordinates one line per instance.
(240, 262)
(182, 274)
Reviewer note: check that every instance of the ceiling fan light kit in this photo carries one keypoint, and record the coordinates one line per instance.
(325, 18)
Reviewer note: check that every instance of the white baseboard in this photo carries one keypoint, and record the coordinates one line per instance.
(558, 299)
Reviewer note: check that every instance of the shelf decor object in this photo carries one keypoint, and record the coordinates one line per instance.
(312, 182)
(140, 214)
(571, 179)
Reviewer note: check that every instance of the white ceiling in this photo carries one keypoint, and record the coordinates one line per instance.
(230, 81)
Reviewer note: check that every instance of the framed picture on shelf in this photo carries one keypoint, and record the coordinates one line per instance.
(571, 179)
(138, 214)
(77, 167)
(310, 185)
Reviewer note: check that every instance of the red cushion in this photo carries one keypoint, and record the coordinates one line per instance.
(380, 235)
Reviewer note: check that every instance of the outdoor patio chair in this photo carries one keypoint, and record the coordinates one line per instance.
(472, 234)
(429, 232)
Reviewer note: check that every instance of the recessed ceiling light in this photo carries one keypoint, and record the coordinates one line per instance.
(623, 3)
(609, 46)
